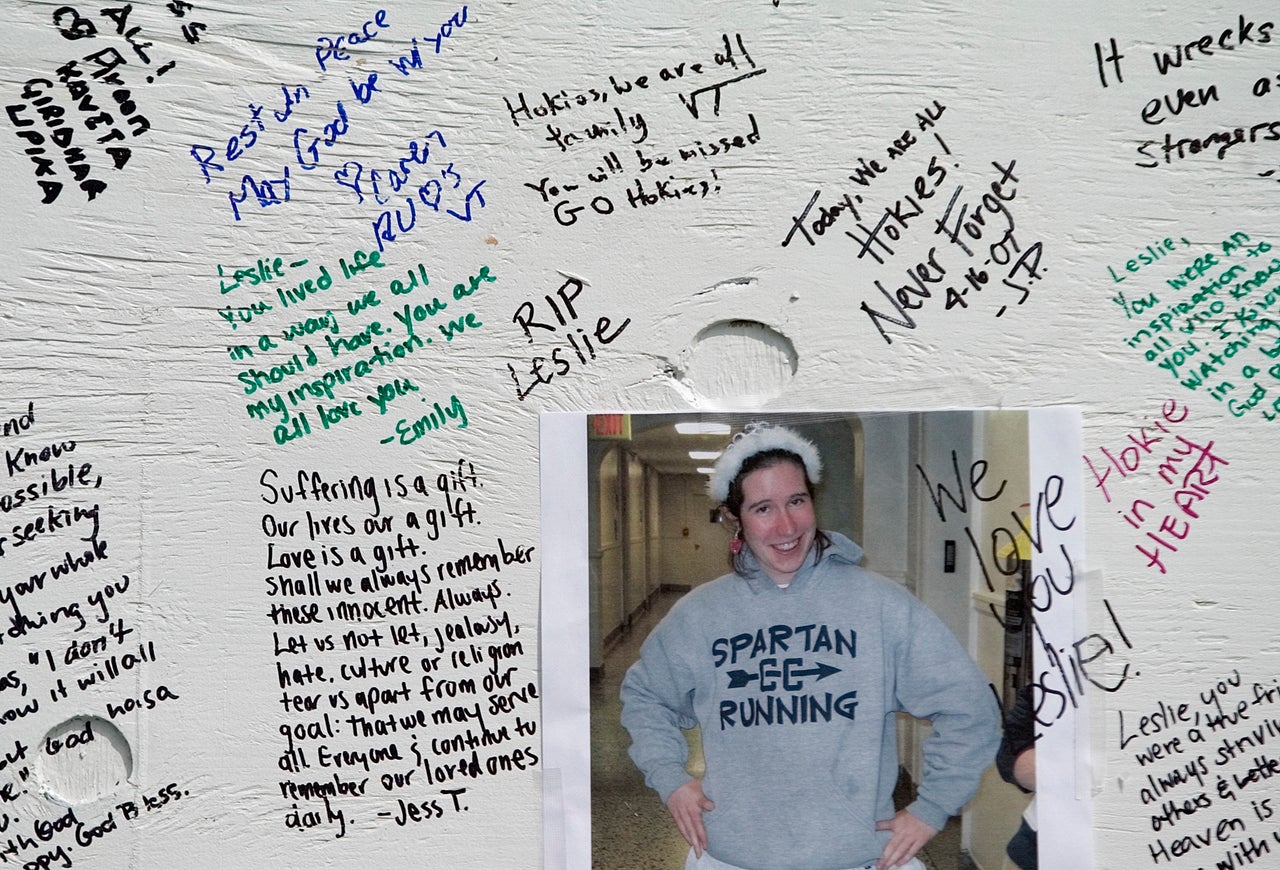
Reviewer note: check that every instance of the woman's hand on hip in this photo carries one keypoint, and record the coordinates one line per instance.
(908, 837)
(686, 805)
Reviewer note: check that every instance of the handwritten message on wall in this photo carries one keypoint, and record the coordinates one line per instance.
(402, 675)
(286, 289)
(73, 642)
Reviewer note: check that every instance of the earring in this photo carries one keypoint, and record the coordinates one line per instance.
(735, 544)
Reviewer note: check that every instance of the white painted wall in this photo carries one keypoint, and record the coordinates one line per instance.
(114, 335)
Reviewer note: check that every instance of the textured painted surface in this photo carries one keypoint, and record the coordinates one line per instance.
(569, 268)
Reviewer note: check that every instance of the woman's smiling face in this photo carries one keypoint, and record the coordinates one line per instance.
(777, 518)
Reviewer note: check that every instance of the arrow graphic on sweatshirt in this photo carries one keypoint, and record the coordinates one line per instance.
(738, 679)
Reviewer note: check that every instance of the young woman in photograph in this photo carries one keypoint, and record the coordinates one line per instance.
(794, 666)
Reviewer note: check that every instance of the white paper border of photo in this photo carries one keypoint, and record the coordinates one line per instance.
(1055, 444)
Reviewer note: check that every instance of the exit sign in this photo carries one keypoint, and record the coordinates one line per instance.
(615, 426)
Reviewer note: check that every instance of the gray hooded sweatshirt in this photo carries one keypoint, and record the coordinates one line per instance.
(795, 691)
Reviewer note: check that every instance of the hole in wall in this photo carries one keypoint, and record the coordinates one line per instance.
(83, 759)
(739, 363)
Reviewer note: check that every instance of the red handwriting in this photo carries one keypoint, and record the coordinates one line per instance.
(1185, 465)
(1140, 447)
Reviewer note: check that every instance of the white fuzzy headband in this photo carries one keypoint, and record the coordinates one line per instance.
(757, 438)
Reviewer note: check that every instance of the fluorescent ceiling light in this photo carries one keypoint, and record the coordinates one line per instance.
(706, 471)
(702, 428)
(705, 454)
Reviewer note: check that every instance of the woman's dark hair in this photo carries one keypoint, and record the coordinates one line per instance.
(733, 501)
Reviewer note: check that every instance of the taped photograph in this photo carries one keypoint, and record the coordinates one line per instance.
(804, 639)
